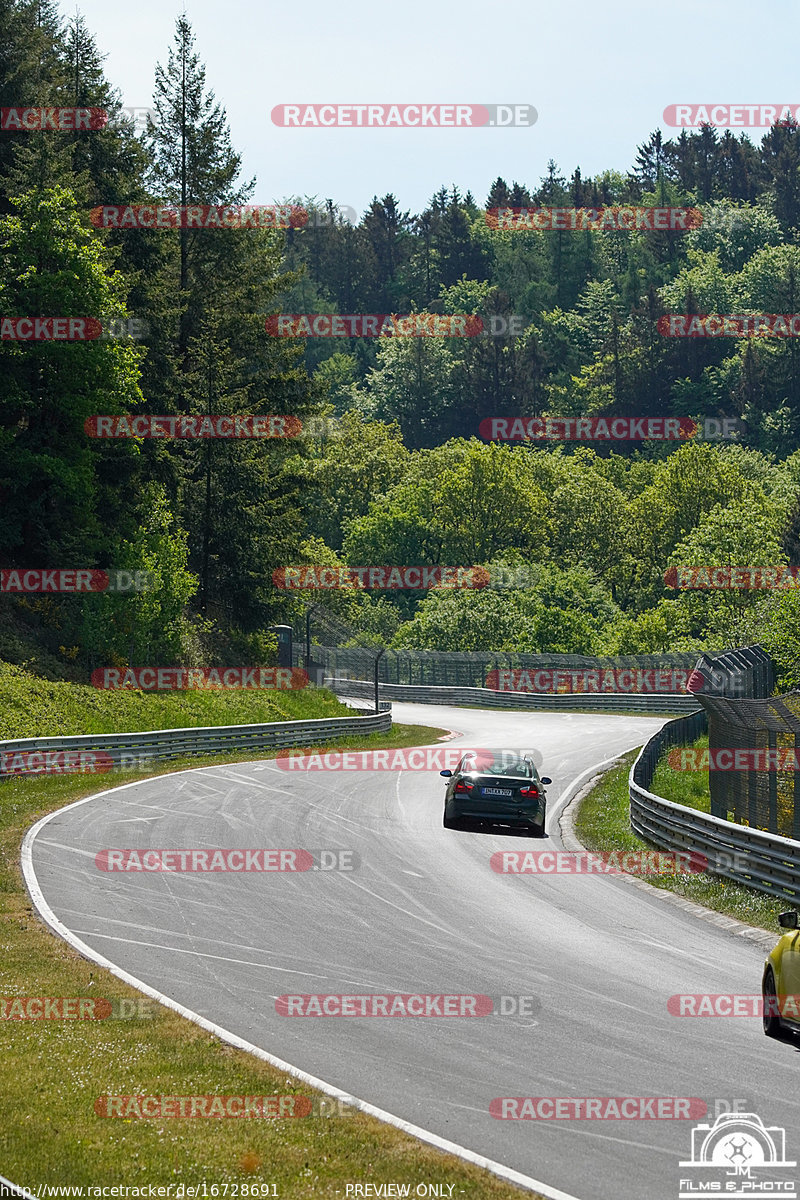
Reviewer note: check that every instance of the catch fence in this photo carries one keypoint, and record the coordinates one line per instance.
(500, 671)
(766, 793)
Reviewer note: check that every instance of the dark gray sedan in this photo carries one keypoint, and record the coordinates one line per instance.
(498, 787)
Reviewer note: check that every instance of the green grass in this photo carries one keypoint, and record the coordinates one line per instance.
(53, 1071)
(689, 788)
(603, 823)
(35, 707)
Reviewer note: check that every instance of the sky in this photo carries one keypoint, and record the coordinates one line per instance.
(598, 72)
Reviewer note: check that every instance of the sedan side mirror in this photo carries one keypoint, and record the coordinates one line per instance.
(544, 779)
(788, 920)
(446, 774)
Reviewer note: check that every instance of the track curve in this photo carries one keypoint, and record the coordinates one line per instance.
(425, 913)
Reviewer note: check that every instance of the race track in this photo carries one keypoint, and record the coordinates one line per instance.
(426, 914)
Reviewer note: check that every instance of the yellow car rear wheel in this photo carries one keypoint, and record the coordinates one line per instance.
(770, 1013)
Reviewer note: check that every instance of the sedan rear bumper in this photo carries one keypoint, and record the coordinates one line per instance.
(517, 814)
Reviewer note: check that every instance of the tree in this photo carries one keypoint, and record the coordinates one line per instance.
(31, 74)
(193, 161)
(36, 160)
(60, 491)
(147, 626)
(735, 232)
(737, 534)
(414, 384)
(654, 164)
(780, 637)
(386, 229)
(589, 518)
(356, 466)
(498, 194)
(667, 628)
(553, 187)
(687, 486)
(780, 154)
(485, 504)
(554, 611)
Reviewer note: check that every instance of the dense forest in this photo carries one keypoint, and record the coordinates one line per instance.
(577, 537)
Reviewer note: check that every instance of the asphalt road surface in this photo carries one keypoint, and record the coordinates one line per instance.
(425, 913)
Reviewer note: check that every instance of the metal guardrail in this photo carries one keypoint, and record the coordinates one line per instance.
(763, 861)
(174, 743)
(657, 704)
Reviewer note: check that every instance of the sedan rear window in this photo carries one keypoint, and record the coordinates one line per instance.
(500, 763)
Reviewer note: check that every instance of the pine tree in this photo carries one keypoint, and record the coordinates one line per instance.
(498, 194)
(61, 494)
(780, 153)
(553, 188)
(386, 229)
(111, 159)
(520, 196)
(654, 164)
(193, 159)
(38, 159)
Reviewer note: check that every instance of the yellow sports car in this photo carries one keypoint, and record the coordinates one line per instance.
(780, 985)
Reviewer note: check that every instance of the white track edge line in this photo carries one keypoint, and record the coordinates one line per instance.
(572, 789)
(422, 1135)
(17, 1190)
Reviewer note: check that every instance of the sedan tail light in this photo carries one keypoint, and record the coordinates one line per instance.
(529, 792)
(463, 786)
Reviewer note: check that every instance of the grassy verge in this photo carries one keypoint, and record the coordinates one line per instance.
(689, 788)
(603, 823)
(53, 1070)
(35, 707)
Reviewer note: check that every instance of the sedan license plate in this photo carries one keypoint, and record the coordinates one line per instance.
(497, 792)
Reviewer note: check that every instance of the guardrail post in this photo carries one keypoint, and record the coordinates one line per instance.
(377, 660)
